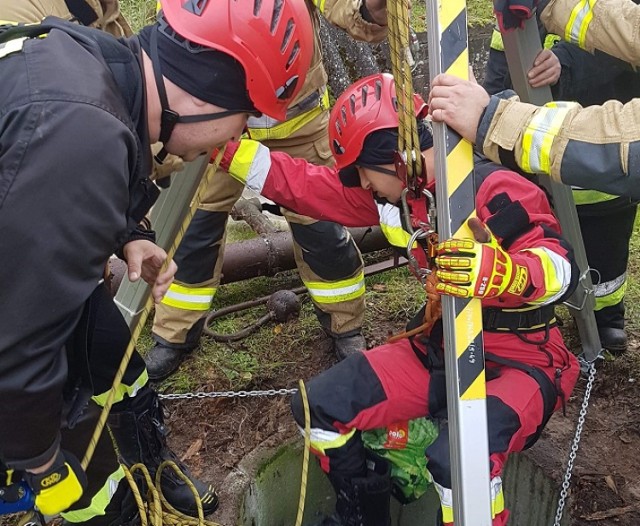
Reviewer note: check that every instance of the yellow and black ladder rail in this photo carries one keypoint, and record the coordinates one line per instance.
(462, 318)
(521, 48)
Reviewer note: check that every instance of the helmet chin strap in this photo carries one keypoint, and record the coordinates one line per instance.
(168, 117)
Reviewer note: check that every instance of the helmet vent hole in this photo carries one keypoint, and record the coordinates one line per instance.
(294, 53)
(394, 101)
(343, 112)
(195, 6)
(337, 147)
(277, 13)
(378, 89)
(287, 36)
(365, 92)
(352, 104)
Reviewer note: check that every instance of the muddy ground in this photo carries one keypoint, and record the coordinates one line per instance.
(214, 435)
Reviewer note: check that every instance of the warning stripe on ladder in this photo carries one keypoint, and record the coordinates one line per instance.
(461, 197)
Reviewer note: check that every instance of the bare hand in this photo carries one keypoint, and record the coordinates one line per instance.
(546, 69)
(458, 103)
(378, 11)
(145, 259)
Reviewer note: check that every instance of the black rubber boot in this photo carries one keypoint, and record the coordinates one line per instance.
(140, 436)
(613, 339)
(165, 357)
(347, 345)
(163, 360)
(362, 501)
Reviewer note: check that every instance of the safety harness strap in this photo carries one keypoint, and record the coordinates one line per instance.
(82, 11)
(498, 320)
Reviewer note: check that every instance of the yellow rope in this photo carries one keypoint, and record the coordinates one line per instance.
(408, 141)
(307, 447)
(158, 518)
(156, 510)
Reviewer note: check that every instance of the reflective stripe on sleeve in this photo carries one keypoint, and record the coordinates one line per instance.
(251, 164)
(540, 134)
(576, 29)
(557, 275)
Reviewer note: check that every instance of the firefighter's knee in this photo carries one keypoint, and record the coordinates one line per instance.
(328, 249)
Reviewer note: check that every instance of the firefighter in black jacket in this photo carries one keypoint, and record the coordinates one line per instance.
(606, 220)
(189, 81)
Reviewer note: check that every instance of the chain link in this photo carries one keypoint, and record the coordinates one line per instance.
(574, 445)
(227, 394)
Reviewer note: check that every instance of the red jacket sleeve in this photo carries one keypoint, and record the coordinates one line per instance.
(520, 216)
(314, 191)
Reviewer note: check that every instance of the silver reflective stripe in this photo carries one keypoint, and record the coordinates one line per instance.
(308, 103)
(12, 46)
(609, 287)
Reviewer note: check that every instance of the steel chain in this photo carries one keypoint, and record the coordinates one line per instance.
(574, 445)
(226, 394)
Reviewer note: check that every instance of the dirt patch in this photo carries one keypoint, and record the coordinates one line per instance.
(213, 435)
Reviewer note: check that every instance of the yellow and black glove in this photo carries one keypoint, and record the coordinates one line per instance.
(58, 487)
(478, 268)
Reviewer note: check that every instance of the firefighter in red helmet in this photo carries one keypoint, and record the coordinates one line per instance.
(518, 249)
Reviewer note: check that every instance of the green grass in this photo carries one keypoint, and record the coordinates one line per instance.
(138, 13)
(479, 13)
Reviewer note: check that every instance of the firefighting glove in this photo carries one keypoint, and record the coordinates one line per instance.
(58, 487)
(477, 268)
(512, 14)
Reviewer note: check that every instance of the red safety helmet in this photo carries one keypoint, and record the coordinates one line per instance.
(272, 39)
(367, 105)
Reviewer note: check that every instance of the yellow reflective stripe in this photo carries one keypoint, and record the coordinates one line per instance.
(240, 166)
(99, 502)
(336, 291)
(319, 4)
(578, 24)
(496, 41)
(321, 439)
(123, 389)
(540, 134)
(287, 128)
(189, 298)
(556, 271)
(583, 196)
(550, 40)
(391, 226)
(610, 292)
(497, 497)
(251, 164)
(446, 500)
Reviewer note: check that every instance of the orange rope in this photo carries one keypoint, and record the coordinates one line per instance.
(432, 311)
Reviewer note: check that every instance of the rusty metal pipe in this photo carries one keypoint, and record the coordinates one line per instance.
(272, 253)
